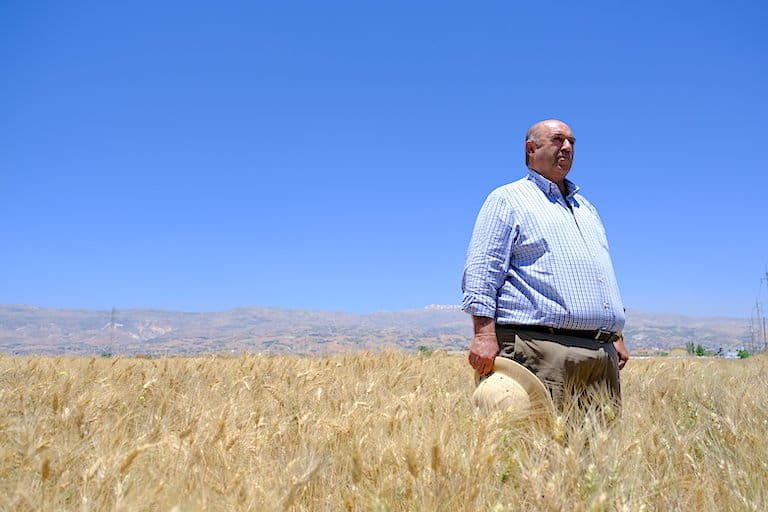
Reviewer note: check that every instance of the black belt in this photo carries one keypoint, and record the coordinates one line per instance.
(604, 336)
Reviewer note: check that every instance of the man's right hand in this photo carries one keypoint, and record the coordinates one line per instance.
(482, 352)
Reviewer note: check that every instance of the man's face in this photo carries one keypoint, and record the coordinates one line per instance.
(552, 153)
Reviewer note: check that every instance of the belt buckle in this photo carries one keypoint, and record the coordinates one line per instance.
(600, 332)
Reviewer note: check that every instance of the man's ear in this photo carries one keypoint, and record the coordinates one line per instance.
(530, 147)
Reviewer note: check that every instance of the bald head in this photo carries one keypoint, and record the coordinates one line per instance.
(549, 149)
(533, 131)
(536, 133)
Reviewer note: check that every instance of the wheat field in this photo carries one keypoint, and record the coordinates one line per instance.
(368, 431)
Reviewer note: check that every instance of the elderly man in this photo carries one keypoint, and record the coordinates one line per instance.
(538, 279)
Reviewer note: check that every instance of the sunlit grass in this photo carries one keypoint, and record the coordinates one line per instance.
(387, 431)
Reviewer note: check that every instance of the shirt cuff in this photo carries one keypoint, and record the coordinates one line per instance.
(478, 306)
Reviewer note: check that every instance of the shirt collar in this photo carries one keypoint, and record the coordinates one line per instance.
(549, 187)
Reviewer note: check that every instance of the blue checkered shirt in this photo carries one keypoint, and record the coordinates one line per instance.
(537, 258)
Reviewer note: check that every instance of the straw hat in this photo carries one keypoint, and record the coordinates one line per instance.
(512, 387)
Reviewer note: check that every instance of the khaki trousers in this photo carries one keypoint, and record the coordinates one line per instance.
(570, 367)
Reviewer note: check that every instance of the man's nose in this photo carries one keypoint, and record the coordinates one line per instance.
(567, 146)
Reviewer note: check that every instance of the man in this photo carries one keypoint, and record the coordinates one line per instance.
(538, 279)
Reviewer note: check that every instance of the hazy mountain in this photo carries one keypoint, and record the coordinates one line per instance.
(30, 330)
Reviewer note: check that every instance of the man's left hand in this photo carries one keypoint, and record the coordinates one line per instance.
(621, 351)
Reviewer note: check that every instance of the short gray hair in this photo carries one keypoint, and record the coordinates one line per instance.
(533, 137)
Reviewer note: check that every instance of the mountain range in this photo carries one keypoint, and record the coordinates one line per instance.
(35, 330)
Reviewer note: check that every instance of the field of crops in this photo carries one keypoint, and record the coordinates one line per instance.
(368, 431)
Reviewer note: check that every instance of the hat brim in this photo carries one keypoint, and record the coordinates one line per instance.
(538, 395)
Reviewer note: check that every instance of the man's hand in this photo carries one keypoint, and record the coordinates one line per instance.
(621, 351)
(484, 347)
(482, 352)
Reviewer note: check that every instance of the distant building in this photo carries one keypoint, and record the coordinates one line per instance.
(444, 307)
(646, 352)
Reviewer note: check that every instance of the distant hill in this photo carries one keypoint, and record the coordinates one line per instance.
(35, 330)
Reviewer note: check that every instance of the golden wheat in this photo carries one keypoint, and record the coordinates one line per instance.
(385, 431)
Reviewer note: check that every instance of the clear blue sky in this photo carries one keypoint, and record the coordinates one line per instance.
(333, 155)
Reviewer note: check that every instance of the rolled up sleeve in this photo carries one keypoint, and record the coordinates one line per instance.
(487, 257)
